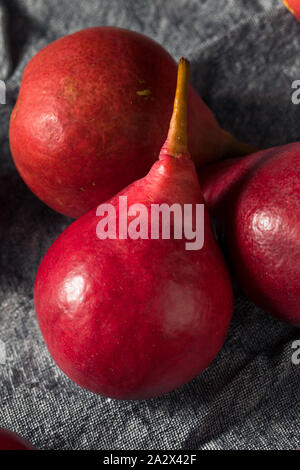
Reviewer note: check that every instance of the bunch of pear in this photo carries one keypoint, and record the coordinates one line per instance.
(136, 318)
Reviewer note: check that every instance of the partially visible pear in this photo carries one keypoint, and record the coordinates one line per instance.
(255, 202)
(12, 441)
(293, 6)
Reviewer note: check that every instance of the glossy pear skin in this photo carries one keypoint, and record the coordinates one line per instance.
(92, 115)
(135, 319)
(11, 441)
(255, 202)
(294, 7)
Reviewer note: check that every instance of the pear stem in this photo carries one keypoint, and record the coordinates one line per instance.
(177, 135)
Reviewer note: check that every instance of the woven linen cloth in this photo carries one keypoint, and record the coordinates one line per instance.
(244, 57)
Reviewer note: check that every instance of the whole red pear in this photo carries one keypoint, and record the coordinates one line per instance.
(255, 202)
(137, 318)
(93, 103)
(11, 441)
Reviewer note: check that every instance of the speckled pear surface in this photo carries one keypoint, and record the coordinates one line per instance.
(92, 114)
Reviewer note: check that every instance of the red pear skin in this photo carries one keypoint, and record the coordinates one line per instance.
(92, 114)
(135, 319)
(11, 441)
(255, 202)
(294, 7)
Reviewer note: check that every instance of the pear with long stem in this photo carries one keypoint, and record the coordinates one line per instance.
(138, 316)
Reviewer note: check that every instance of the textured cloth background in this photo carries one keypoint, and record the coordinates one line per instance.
(245, 55)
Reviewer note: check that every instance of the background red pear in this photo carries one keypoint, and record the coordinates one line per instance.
(255, 202)
(92, 114)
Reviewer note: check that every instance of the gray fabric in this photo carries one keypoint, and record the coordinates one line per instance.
(244, 57)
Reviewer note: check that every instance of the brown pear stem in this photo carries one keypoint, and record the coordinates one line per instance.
(234, 148)
(177, 135)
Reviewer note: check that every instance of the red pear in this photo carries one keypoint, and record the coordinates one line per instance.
(293, 6)
(255, 202)
(137, 317)
(90, 105)
(11, 441)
